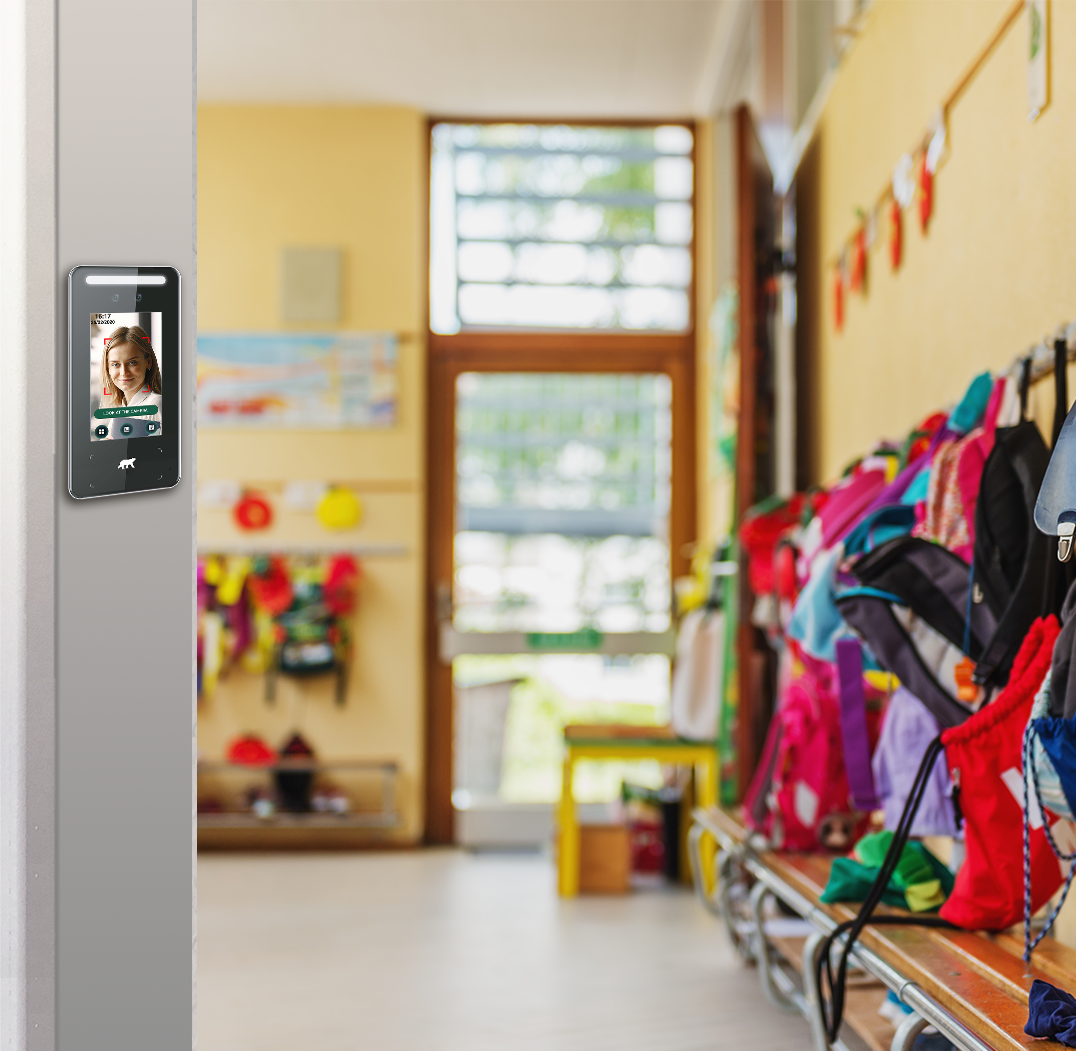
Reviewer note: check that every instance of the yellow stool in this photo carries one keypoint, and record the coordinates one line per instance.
(627, 743)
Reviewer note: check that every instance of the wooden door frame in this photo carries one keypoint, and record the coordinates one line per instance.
(672, 354)
(528, 352)
(750, 667)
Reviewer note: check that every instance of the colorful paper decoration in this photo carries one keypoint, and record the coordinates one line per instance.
(339, 508)
(936, 148)
(253, 512)
(910, 180)
(895, 236)
(926, 193)
(857, 279)
(904, 180)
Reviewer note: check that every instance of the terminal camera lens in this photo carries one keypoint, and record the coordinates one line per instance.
(115, 296)
(138, 297)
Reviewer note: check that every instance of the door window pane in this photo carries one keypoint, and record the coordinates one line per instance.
(563, 490)
(563, 487)
(543, 226)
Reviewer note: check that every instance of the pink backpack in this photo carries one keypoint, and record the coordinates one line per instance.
(799, 797)
(955, 474)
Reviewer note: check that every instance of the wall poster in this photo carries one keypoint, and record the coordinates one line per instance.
(310, 381)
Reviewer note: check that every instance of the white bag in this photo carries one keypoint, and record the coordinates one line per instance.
(698, 675)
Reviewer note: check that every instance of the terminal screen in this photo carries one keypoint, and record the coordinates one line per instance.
(126, 395)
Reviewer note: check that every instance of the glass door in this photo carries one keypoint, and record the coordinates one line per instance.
(561, 587)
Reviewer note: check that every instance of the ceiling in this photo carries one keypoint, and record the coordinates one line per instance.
(481, 58)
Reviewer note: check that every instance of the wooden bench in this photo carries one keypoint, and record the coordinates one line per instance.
(972, 987)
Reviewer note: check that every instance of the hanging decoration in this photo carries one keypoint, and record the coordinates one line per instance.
(273, 613)
(904, 181)
(870, 225)
(253, 512)
(339, 508)
(838, 300)
(893, 225)
(926, 193)
(857, 279)
(912, 180)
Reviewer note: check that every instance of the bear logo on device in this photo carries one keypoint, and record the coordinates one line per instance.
(124, 464)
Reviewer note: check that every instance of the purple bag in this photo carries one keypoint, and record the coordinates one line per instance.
(908, 729)
(854, 736)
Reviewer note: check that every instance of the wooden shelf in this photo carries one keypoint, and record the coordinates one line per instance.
(242, 821)
(216, 766)
(861, 1005)
(791, 949)
(286, 820)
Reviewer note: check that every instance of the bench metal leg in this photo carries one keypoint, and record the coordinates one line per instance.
(731, 884)
(907, 1031)
(812, 949)
(717, 899)
(759, 893)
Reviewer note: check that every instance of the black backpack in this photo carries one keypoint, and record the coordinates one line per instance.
(1013, 571)
(912, 612)
(1010, 553)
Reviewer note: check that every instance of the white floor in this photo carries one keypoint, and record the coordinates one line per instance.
(446, 951)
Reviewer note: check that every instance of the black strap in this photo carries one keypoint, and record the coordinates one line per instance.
(833, 1013)
(1025, 386)
(1057, 577)
(1061, 387)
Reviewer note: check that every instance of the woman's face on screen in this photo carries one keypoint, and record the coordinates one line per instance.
(127, 367)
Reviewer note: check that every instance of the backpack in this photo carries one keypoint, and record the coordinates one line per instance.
(913, 613)
(1010, 553)
(799, 797)
(955, 476)
(1013, 570)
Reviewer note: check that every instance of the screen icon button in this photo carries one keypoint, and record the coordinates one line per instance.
(126, 428)
(101, 430)
(151, 427)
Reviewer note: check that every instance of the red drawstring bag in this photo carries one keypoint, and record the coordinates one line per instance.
(985, 763)
(763, 526)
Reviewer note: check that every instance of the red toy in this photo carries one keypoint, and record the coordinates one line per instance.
(253, 512)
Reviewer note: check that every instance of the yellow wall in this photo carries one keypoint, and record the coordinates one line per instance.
(997, 268)
(271, 177)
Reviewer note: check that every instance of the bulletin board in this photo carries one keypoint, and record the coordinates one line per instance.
(312, 381)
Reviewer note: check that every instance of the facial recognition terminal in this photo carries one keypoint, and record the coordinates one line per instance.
(123, 403)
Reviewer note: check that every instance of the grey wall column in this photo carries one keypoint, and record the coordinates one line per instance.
(125, 565)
